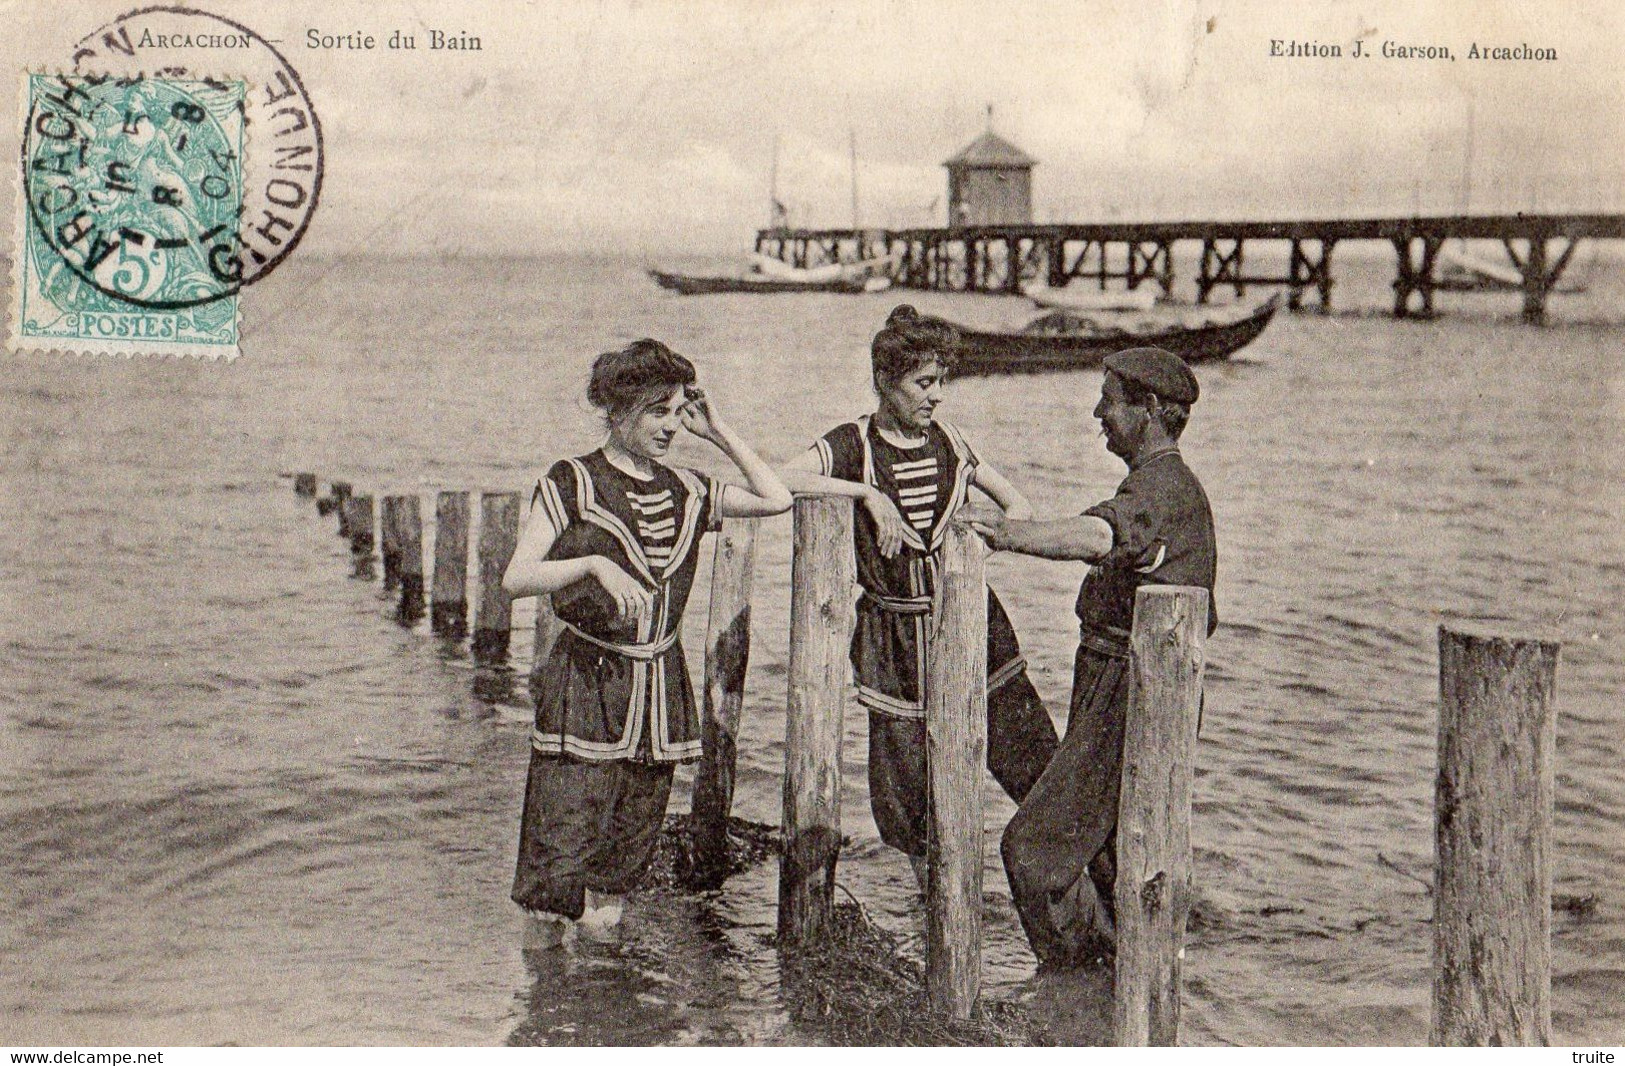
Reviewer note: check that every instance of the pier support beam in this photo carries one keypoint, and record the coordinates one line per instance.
(1150, 261)
(1220, 265)
(821, 579)
(1055, 262)
(1308, 270)
(1492, 916)
(1416, 259)
(1538, 280)
(1153, 891)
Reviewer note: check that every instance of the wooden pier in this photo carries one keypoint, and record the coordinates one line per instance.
(998, 259)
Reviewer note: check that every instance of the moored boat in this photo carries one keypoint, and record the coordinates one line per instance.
(700, 284)
(1063, 340)
(1460, 270)
(1083, 299)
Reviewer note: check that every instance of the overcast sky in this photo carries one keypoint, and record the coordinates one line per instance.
(649, 127)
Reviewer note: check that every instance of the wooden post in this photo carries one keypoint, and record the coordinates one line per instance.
(341, 494)
(304, 484)
(499, 535)
(1535, 282)
(1153, 891)
(389, 535)
(357, 515)
(448, 613)
(1492, 909)
(547, 630)
(821, 578)
(1326, 246)
(409, 559)
(956, 751)
(727, 654)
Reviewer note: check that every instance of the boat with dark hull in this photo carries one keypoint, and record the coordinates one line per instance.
(701, 284)
(1063, 340)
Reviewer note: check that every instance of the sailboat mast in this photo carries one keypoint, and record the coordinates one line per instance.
(852, 144)
(774, 221)
(1467, 163)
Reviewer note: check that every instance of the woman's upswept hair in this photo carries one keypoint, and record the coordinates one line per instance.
(909, 339)
(630, 376)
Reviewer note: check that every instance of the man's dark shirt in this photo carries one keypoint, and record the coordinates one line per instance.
(1162, 534)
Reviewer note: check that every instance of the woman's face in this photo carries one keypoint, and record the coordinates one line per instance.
(912, 398)
(648, 428)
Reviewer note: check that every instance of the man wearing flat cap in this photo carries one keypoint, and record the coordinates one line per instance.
(1059, 850)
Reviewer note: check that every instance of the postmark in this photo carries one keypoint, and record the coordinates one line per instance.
(177, 162)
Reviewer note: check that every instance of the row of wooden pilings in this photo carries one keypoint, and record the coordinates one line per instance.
(1493, 796)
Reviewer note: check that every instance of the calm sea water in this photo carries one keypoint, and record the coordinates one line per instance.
(239, 804)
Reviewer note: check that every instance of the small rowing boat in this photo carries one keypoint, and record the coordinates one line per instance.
(1084, 299)
(701, 284)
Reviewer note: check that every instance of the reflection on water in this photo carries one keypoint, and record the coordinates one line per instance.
(240, 803)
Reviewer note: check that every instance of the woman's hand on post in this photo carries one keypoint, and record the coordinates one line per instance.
(889, 525)
(632, 600)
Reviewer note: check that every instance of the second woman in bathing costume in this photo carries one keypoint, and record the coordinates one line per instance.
(910, 471)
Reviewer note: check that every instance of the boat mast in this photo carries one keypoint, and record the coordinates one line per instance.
(1467, 163)
(852, 144)
(777, 217)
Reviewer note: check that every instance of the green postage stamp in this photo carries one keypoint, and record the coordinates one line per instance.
(128, 214)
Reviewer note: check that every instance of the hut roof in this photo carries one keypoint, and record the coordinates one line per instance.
(991, 150)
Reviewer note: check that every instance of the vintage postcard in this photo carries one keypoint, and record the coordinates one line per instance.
(648, 522)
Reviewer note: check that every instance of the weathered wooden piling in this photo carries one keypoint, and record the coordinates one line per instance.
(1154, 810)
(389, 535)
(727, 654)
(956, 751)
(448, 611)
(357, 516)
(499, 534)
(1493, 834)
(341, 493)
(547, 630)
(409, 559)
(304, 485)
(821, 578)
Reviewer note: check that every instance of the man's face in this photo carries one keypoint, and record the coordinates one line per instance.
(1122, 422)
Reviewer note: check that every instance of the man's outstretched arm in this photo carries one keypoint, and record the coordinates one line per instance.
(1084, 537)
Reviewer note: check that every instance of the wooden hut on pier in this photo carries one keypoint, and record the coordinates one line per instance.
(990, 183)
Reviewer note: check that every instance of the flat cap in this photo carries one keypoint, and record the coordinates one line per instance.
(1163, 372)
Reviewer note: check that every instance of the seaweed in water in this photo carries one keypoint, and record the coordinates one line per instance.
(858, 988)
(673, 866)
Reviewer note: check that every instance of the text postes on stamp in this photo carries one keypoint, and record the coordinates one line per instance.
(131, 192)
(179, 161)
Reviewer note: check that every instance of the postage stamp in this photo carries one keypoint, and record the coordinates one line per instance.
(131, 193)
(155, 188)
